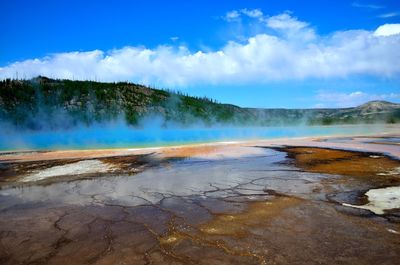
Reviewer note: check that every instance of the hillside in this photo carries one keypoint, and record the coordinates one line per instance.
(46, 103)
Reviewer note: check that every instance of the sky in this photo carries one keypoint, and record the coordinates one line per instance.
(286, 54)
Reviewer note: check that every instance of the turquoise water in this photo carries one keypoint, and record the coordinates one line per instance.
(120, 135)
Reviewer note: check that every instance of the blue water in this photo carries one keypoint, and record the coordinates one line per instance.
(121, 135)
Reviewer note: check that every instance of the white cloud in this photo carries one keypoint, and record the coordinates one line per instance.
(289, 49)
(387, 30)
(371, 6)
(334, 99)
(285, 21)
(254, 13)
(232, 15)
(388, 15)
(290, 27)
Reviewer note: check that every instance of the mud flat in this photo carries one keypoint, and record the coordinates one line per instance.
(288, 201)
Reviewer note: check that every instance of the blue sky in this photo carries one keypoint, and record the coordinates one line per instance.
(250, 53)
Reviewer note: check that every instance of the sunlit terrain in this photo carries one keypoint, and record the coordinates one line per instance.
(199, 132)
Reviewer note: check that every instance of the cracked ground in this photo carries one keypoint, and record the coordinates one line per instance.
(273, 206)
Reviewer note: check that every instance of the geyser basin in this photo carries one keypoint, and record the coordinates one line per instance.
(227, 204)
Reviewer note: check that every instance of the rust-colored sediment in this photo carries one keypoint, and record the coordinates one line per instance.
(371, 167)
(190, 151)
(236, 226)
(257, 214)
(66, 154)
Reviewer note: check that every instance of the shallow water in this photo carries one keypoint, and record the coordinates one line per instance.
(187, 177)
(121, 135)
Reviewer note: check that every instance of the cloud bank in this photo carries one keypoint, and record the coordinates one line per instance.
(287, 49)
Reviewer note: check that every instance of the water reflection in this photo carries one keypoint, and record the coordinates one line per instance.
(188, 177)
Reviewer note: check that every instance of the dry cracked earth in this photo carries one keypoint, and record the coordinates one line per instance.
(281, 205)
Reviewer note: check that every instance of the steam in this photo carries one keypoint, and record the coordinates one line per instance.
(155, 131)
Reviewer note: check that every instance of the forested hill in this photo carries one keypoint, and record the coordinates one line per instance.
(47, 103)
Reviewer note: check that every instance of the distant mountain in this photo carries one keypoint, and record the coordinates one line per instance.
(378, 106)
(47, 103)
(370, 112)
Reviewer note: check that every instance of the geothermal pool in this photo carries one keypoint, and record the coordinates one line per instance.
(287, 202)
(122, 136)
